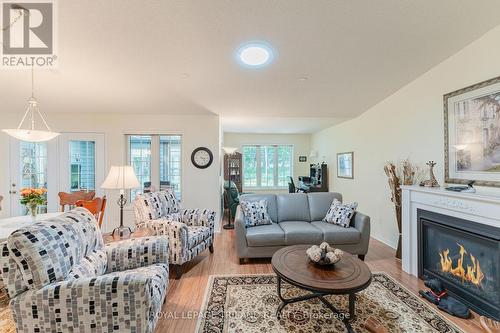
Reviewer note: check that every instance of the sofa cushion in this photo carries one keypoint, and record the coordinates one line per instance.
(147, 207)
(337, 235)
(266, 235)
(272, 209)
(92, 265)
(320, 202)
(299, 232)
(293, 207)
(169, 203)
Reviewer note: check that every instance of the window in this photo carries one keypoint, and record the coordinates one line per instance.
(170, 163)
(82, 165)
(267, 166)
(156, 160)
(33, 167)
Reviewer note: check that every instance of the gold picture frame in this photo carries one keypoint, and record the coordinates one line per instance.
(472, 134)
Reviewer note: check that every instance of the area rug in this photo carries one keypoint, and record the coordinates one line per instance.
(248, 303)
(6, 321)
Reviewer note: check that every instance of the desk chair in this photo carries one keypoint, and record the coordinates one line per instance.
(292, 188)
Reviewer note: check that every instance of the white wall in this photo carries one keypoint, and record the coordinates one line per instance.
(407, 124)
(301, 147)
(200, 187)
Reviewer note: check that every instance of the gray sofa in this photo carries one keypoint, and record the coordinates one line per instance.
(297, 219)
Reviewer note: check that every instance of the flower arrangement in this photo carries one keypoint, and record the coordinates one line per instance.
(324, 254)
(32, 198)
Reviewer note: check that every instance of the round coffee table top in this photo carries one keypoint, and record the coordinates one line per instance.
(349, 275)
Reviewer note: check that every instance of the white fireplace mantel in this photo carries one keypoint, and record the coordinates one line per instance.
(477, 207)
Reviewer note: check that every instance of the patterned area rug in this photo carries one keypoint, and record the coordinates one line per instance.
(6, 322)
(248, 303)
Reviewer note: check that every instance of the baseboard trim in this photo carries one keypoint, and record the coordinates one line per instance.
(384, 241)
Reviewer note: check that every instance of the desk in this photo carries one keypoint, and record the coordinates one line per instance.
(11, 224)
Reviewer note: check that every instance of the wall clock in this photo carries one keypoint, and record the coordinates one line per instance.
(202, 157)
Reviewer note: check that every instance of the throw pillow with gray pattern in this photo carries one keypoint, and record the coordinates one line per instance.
(255, 213)
(340, 214)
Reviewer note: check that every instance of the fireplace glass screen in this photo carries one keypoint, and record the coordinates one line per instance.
(465, 260)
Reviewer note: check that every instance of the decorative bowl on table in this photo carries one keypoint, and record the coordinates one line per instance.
(324, 254)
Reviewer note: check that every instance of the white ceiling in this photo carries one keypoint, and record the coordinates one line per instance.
(177, 57)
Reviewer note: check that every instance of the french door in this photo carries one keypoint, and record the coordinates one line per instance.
(72, 162)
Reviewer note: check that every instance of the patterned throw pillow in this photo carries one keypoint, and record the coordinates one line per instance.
(340, 214)
(255, 213)
(148, 206)
(170, 204)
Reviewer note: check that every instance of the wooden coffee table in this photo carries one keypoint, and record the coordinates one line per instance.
(347, 277)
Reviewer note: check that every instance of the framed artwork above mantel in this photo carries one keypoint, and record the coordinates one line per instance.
(472, 134)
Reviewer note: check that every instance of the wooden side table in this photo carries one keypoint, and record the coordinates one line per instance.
(141, 232)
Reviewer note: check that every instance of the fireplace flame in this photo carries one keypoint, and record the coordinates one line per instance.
(472, 274)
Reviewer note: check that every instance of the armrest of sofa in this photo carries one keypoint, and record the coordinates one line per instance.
(138, 252)
(241, 232)
(362, 223)
(175, 230)
(198, 217)
(105, 300)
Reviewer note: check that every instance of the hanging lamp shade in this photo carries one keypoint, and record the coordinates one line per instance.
(31, 134)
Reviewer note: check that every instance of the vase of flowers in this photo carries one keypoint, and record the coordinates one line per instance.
(32, 198)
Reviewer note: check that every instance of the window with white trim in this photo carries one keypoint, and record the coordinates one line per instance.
(157, 161)
(267, 166)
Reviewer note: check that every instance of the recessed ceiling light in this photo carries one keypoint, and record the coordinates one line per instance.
(255, 54)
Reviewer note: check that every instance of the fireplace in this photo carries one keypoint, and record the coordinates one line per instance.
(465, 256)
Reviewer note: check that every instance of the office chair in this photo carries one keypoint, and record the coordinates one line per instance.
(292, 188)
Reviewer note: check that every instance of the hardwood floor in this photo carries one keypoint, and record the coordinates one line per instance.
(185, 296)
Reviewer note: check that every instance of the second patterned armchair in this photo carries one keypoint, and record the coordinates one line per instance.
(190, 231)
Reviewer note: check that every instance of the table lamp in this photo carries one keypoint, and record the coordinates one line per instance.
(121, 178)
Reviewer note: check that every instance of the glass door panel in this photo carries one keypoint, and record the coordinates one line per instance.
(140, 160)
(33, 168)
(82, 163)
(170, 163)
(30, 166)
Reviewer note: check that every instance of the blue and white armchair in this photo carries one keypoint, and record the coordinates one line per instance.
(189, 231)
(61, 277)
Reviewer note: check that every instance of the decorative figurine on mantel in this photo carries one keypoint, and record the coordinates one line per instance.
(432, 182)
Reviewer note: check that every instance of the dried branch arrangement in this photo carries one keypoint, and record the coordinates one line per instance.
(406, 174)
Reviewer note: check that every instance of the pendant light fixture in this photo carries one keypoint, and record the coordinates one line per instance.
(31, 134)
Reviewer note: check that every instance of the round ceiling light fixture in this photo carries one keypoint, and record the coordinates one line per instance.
(255, 54)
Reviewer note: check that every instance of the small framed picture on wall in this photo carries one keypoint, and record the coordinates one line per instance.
(345, 165)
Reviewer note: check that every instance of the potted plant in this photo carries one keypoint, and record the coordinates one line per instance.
(32, 198)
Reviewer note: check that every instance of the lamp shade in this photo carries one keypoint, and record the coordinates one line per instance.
(31, 135)
(121, 178)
